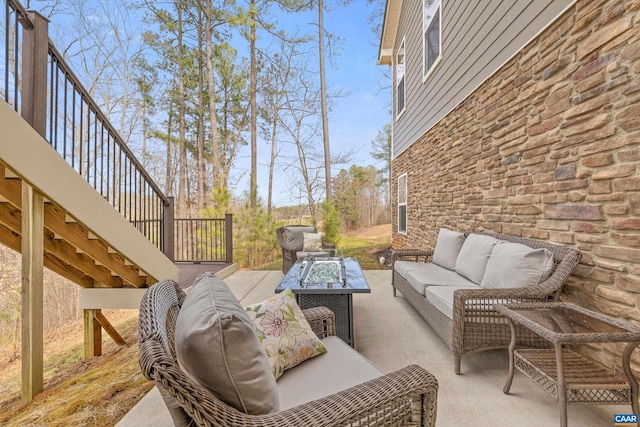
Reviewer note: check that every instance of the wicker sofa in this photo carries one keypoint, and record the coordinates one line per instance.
(310, 393)
(462, 313)
(291, 240)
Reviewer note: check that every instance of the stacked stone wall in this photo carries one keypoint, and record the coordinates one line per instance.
(547, 148)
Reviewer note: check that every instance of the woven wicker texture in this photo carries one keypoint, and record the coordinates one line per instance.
(404, 397)
(568, 376)
(585, 381)
(339, 304)
(476, 326)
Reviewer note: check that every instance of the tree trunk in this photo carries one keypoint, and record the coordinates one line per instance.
(201, 160)
(168, 187)
(215, 158)
(323, 101)
(272, 162)
(252, 100)
(182, 173)
(307, 182)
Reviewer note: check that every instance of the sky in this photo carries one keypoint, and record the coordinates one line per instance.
(355, 119)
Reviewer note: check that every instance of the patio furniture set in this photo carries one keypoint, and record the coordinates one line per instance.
(340, 387)
(484, 291)
(479, 291)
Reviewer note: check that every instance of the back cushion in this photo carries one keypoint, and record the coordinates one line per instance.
(447, 248)
(217, 347)
(293, 237)
(514, 265)
(474, 255)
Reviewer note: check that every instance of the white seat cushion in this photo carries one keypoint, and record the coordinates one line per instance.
(441, 297)
(339, 368)
(404, 267)
(474, 255)
(434, 275)
(514, 265)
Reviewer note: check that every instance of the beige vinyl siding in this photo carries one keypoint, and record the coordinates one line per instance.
(477, 39)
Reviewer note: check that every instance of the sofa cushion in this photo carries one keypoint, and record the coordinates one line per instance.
(293, 237)
(447, 248)
(403, 267)
(284, 332)
(474, 255)
(217, 347)
(339, 368)
(441, 297)
(514, 265)
(434, 275)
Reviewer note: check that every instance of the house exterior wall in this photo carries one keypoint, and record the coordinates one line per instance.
(548, 148)
(477, 38)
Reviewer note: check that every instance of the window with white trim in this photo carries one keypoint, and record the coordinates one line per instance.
(402, 204)
(400, 81)
(431, 34)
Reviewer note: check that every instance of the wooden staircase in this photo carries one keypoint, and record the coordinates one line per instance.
(70, 249)
(55, 219)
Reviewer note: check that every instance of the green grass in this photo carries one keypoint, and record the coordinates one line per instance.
(352, 247)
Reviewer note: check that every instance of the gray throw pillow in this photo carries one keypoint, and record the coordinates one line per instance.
(217, 347)
(514, 265)
(474, 255)
(447, 248)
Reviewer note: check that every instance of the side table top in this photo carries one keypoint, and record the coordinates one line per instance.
(561, 322)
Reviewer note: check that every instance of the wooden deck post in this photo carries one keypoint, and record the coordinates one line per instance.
(228, 226)
(169, 229)
(92, 333)
(32, 292)
(34, 111)
(34, 73)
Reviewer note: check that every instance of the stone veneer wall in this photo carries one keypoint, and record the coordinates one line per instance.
(548, 148)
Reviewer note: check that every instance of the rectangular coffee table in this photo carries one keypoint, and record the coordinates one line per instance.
(565, 374)
(329, 282)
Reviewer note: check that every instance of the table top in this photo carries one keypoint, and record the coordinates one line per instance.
(354, 283)
(561, 322)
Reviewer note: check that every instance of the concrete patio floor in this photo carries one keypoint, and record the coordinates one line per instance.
(390, 333)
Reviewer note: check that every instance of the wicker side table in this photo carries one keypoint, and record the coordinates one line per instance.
(568, 376)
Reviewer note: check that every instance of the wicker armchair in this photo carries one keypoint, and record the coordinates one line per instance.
(476, 326)
(404, 397)
(290, 239)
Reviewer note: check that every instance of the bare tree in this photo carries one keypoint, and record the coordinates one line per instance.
(215, 150)
(274, 83)
(323, 101)
(299, 121)
(103, 48)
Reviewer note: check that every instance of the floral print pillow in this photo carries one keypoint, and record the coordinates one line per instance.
(285, 333)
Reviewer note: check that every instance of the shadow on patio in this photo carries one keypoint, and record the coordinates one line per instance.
(391, 334)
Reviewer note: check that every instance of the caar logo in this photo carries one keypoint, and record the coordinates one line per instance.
(625, 420)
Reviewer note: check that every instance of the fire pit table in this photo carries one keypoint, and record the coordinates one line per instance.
(329, 282)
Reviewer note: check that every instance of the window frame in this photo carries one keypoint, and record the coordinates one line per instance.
(402, 202)
(400, 53)
(426, 26)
